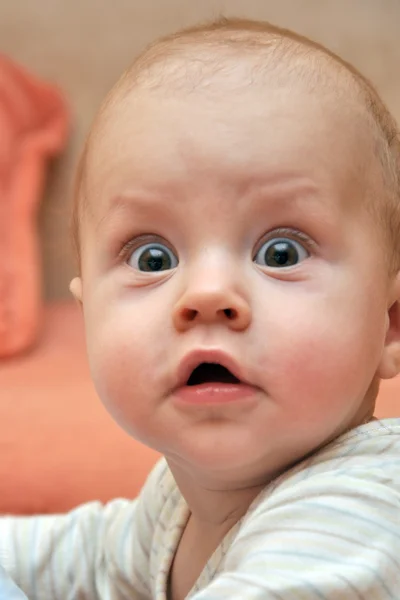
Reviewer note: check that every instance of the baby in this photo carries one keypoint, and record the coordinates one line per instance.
(237, 220)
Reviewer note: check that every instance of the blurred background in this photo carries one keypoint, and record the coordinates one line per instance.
(84, 45)
(58, 58)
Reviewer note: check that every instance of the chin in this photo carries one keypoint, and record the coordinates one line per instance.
(228, 466)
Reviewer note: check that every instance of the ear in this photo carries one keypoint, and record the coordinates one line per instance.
(390, 362)
(75, 287)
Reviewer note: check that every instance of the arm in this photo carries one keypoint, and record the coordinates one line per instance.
(329, 537)
(87, 553)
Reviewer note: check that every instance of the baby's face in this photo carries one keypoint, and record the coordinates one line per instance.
(232, 230)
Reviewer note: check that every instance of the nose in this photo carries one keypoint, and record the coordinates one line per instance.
(212, 303)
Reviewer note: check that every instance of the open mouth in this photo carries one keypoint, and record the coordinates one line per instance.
(211, 373)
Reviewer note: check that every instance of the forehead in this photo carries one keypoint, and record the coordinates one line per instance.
(230, 132)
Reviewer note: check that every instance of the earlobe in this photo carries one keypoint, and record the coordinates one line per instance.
(390, 362)
(75, 287)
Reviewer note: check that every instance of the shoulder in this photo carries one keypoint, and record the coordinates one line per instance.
(370, 451)
(113, 521)
(351, 484)
(132, 532)
(328, 527)
(158, 488)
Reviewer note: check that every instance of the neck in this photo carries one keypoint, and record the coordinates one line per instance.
(211, 508)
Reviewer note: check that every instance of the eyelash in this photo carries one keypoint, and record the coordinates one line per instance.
(131, 245)
(280, 232)
(290, 233)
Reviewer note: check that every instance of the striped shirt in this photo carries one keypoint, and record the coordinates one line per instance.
(327, 529)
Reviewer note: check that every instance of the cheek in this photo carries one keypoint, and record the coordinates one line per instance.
(320, 356)
(127, 357)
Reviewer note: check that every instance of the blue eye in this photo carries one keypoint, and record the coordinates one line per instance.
(280, 253)
(153, 258)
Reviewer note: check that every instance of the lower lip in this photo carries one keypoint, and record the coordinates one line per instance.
(214, 393)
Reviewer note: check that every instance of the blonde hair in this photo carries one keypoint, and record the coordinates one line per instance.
(285, 49)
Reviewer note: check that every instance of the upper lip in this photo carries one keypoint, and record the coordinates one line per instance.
(213, 356)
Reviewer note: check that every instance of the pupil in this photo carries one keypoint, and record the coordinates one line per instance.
(281, 254)
(154, 259)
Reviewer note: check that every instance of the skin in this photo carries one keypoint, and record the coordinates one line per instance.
(213, 177)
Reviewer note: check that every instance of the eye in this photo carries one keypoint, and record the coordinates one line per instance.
(279, 253)
(152, 258)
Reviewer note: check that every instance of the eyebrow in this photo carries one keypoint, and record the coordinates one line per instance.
(128, 202)
(139, 200)
(282, 190)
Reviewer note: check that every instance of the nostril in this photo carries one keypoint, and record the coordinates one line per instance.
(230, 313)
(189, 314)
